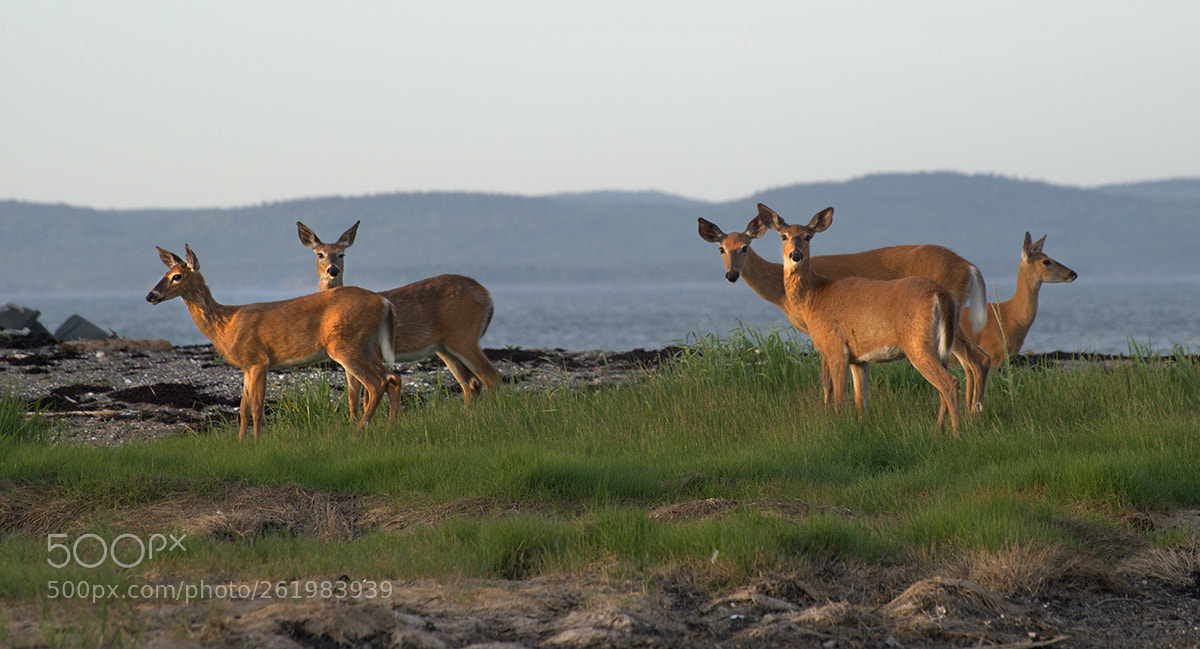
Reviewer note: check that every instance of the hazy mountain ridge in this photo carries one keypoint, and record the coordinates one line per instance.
(1133, 230)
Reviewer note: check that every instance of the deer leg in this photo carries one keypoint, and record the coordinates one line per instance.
(475, 373)
(363, 366)
(254, 395)
(976, 364)
(826, 384)
(393, 390)
(945, 383)
(353, 394)
(836, 364)
(466, 379)
(244, 407)
(375, 390)
(859, 373)
(983, 364)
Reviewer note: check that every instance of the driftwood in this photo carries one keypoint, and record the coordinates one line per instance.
(117, 344)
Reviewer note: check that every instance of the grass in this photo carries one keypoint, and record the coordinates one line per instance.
(528, 482)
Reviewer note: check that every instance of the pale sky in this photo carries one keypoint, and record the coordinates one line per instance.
(121, 104)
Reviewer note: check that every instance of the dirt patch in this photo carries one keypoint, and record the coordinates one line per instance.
(1022, 597)
(171, 395)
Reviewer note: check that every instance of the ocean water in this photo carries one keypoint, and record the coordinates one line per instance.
(1097, 316)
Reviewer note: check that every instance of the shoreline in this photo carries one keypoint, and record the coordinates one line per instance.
(112, 391)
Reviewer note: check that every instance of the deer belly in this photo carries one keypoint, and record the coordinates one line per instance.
(413, 354)
(877, 355)
(300, 362)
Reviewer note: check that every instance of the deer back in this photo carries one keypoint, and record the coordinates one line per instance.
(437, 310)
(875, 319)
(301, 330)
(940, 264)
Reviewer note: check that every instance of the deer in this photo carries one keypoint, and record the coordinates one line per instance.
(349, 325)
(444, 315)
(938, 263)
(1009, 322)
(856, 321)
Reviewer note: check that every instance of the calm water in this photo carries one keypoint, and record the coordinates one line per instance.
(1085, 316)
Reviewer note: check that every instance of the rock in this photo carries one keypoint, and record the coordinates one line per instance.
(17, 317)
(78, 328)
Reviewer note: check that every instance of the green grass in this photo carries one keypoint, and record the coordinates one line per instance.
(564, 480)
(16, 424)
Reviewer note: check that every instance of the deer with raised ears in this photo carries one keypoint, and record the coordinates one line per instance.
(1009, 322)
(856, 321)
(349, 325)
(331, 257)
(444, 315)
(940, 264)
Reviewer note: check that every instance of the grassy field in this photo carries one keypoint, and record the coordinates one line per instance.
(724, 463)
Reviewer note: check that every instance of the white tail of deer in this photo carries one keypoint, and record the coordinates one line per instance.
(1008, 322)
(940, 264)
(855, 321)
(444, 315)
(351, 326)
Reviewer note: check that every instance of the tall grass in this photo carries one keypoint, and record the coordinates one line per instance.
(20, 421)
(565, 479)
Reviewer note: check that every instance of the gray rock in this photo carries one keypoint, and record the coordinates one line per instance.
(17, 317)
(78, 328)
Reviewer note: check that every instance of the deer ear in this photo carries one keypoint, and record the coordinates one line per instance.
(821, 220)
(169, 259)
(192, 262)
(347, 239)
(769, 218)
(709, 231)
(755, 228)
(307, 236)
(1037, 245)
(1027, 248)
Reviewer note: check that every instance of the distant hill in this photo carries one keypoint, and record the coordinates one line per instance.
(1179, 189)
(1137, 230)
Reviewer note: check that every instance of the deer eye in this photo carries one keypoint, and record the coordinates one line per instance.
(745, 248)
(177, 277)
(1045, 262)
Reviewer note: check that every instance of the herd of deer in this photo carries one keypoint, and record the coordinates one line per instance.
(920, 302)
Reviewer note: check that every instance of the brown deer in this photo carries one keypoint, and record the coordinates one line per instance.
(940, 264)
(349, 325)
(444, 315)
(1009, 322)
(855, 321)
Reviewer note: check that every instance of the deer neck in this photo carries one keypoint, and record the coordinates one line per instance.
(802, 284)
(327, 282)
(764, 278)
(210, 316)
(1022, 308)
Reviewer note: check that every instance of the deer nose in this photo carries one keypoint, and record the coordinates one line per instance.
(732, 276)
(797, 255)
(333, 271)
